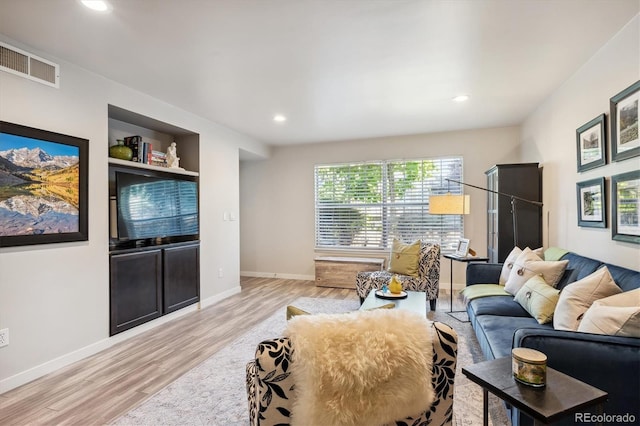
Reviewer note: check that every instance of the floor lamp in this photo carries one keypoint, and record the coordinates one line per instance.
(514, 200)
(450, 204)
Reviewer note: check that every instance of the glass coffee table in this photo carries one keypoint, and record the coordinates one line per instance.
(415, 301)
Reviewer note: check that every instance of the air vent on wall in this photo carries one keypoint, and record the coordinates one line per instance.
(19, 62)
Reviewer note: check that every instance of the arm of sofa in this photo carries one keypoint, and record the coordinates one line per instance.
(483, 273)
(609, 363)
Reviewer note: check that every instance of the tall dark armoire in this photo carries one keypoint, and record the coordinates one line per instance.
(524, 181)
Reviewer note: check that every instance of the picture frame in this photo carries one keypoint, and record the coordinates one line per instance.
(43, 186)
(592, 200)
(591, 144)
(625, 207)
(462, 249)
(625, 117)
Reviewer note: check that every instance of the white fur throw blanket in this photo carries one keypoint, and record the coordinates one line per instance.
(362, 368)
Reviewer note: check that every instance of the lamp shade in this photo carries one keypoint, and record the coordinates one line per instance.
(449, 204)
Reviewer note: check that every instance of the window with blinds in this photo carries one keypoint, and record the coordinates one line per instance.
(365, 205)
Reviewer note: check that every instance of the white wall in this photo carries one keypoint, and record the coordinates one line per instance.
(277, 195)
(55, 298)
(549, 136)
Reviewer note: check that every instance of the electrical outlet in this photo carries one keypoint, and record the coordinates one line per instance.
(4, 337)
(220, 274)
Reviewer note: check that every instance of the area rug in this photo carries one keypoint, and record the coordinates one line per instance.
(213, 393)
(461, 316)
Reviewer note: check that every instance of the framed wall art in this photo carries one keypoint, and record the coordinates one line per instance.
(625, 207)
(625, 115)
(591, 144)
(43, 186)
(592, 203)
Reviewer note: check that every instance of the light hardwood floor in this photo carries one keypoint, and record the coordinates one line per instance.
(100, 388)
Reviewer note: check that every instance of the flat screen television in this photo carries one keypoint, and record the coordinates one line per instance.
(156, 207)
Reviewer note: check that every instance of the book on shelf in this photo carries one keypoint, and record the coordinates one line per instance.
(134, 142)
(147, 147)
(143, 152)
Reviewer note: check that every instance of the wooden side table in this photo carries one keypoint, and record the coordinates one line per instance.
(562, 396)
(465, 259)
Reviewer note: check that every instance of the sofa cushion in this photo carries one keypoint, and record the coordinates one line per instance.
(529, 264)
(503, 306)
(617, 315)
(576, 298)
(583, 265)
(538, 298)
(569, 276)
(497, 331)
(404, 258)
(626, 279)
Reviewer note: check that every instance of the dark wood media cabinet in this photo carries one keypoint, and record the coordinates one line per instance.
(148, 282)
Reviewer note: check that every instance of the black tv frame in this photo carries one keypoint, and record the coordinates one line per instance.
(117, 244)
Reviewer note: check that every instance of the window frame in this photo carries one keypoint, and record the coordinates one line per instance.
(448, 228)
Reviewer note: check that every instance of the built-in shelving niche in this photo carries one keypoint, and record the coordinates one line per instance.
(124, 123)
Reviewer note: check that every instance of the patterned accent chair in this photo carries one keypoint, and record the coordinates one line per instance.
(428, 279)
(270, 385)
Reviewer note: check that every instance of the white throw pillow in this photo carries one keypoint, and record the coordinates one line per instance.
(577, 297)
(529, 264)
(617, 315)
(507, 266)
(539, 252)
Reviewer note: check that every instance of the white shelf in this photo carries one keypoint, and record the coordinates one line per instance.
(135, 165)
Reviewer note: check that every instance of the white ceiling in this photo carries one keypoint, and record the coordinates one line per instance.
(338, 69)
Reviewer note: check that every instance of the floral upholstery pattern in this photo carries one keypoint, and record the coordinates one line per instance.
(428, 279)
(270, 387)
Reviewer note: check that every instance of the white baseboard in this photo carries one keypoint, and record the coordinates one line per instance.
(38, 371)
(219, 297)
(277, 275)
(31, 374)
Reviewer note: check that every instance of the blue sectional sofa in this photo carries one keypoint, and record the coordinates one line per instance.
(611, 363)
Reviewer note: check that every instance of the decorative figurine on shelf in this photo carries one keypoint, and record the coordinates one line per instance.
(172, 158)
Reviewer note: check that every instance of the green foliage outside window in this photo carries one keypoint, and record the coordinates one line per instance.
(365, 205)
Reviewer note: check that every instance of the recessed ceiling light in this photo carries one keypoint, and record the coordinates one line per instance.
(279, 118)
(97, 5)
(461, 98)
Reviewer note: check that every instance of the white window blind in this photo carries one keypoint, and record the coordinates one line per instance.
(365, 205)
